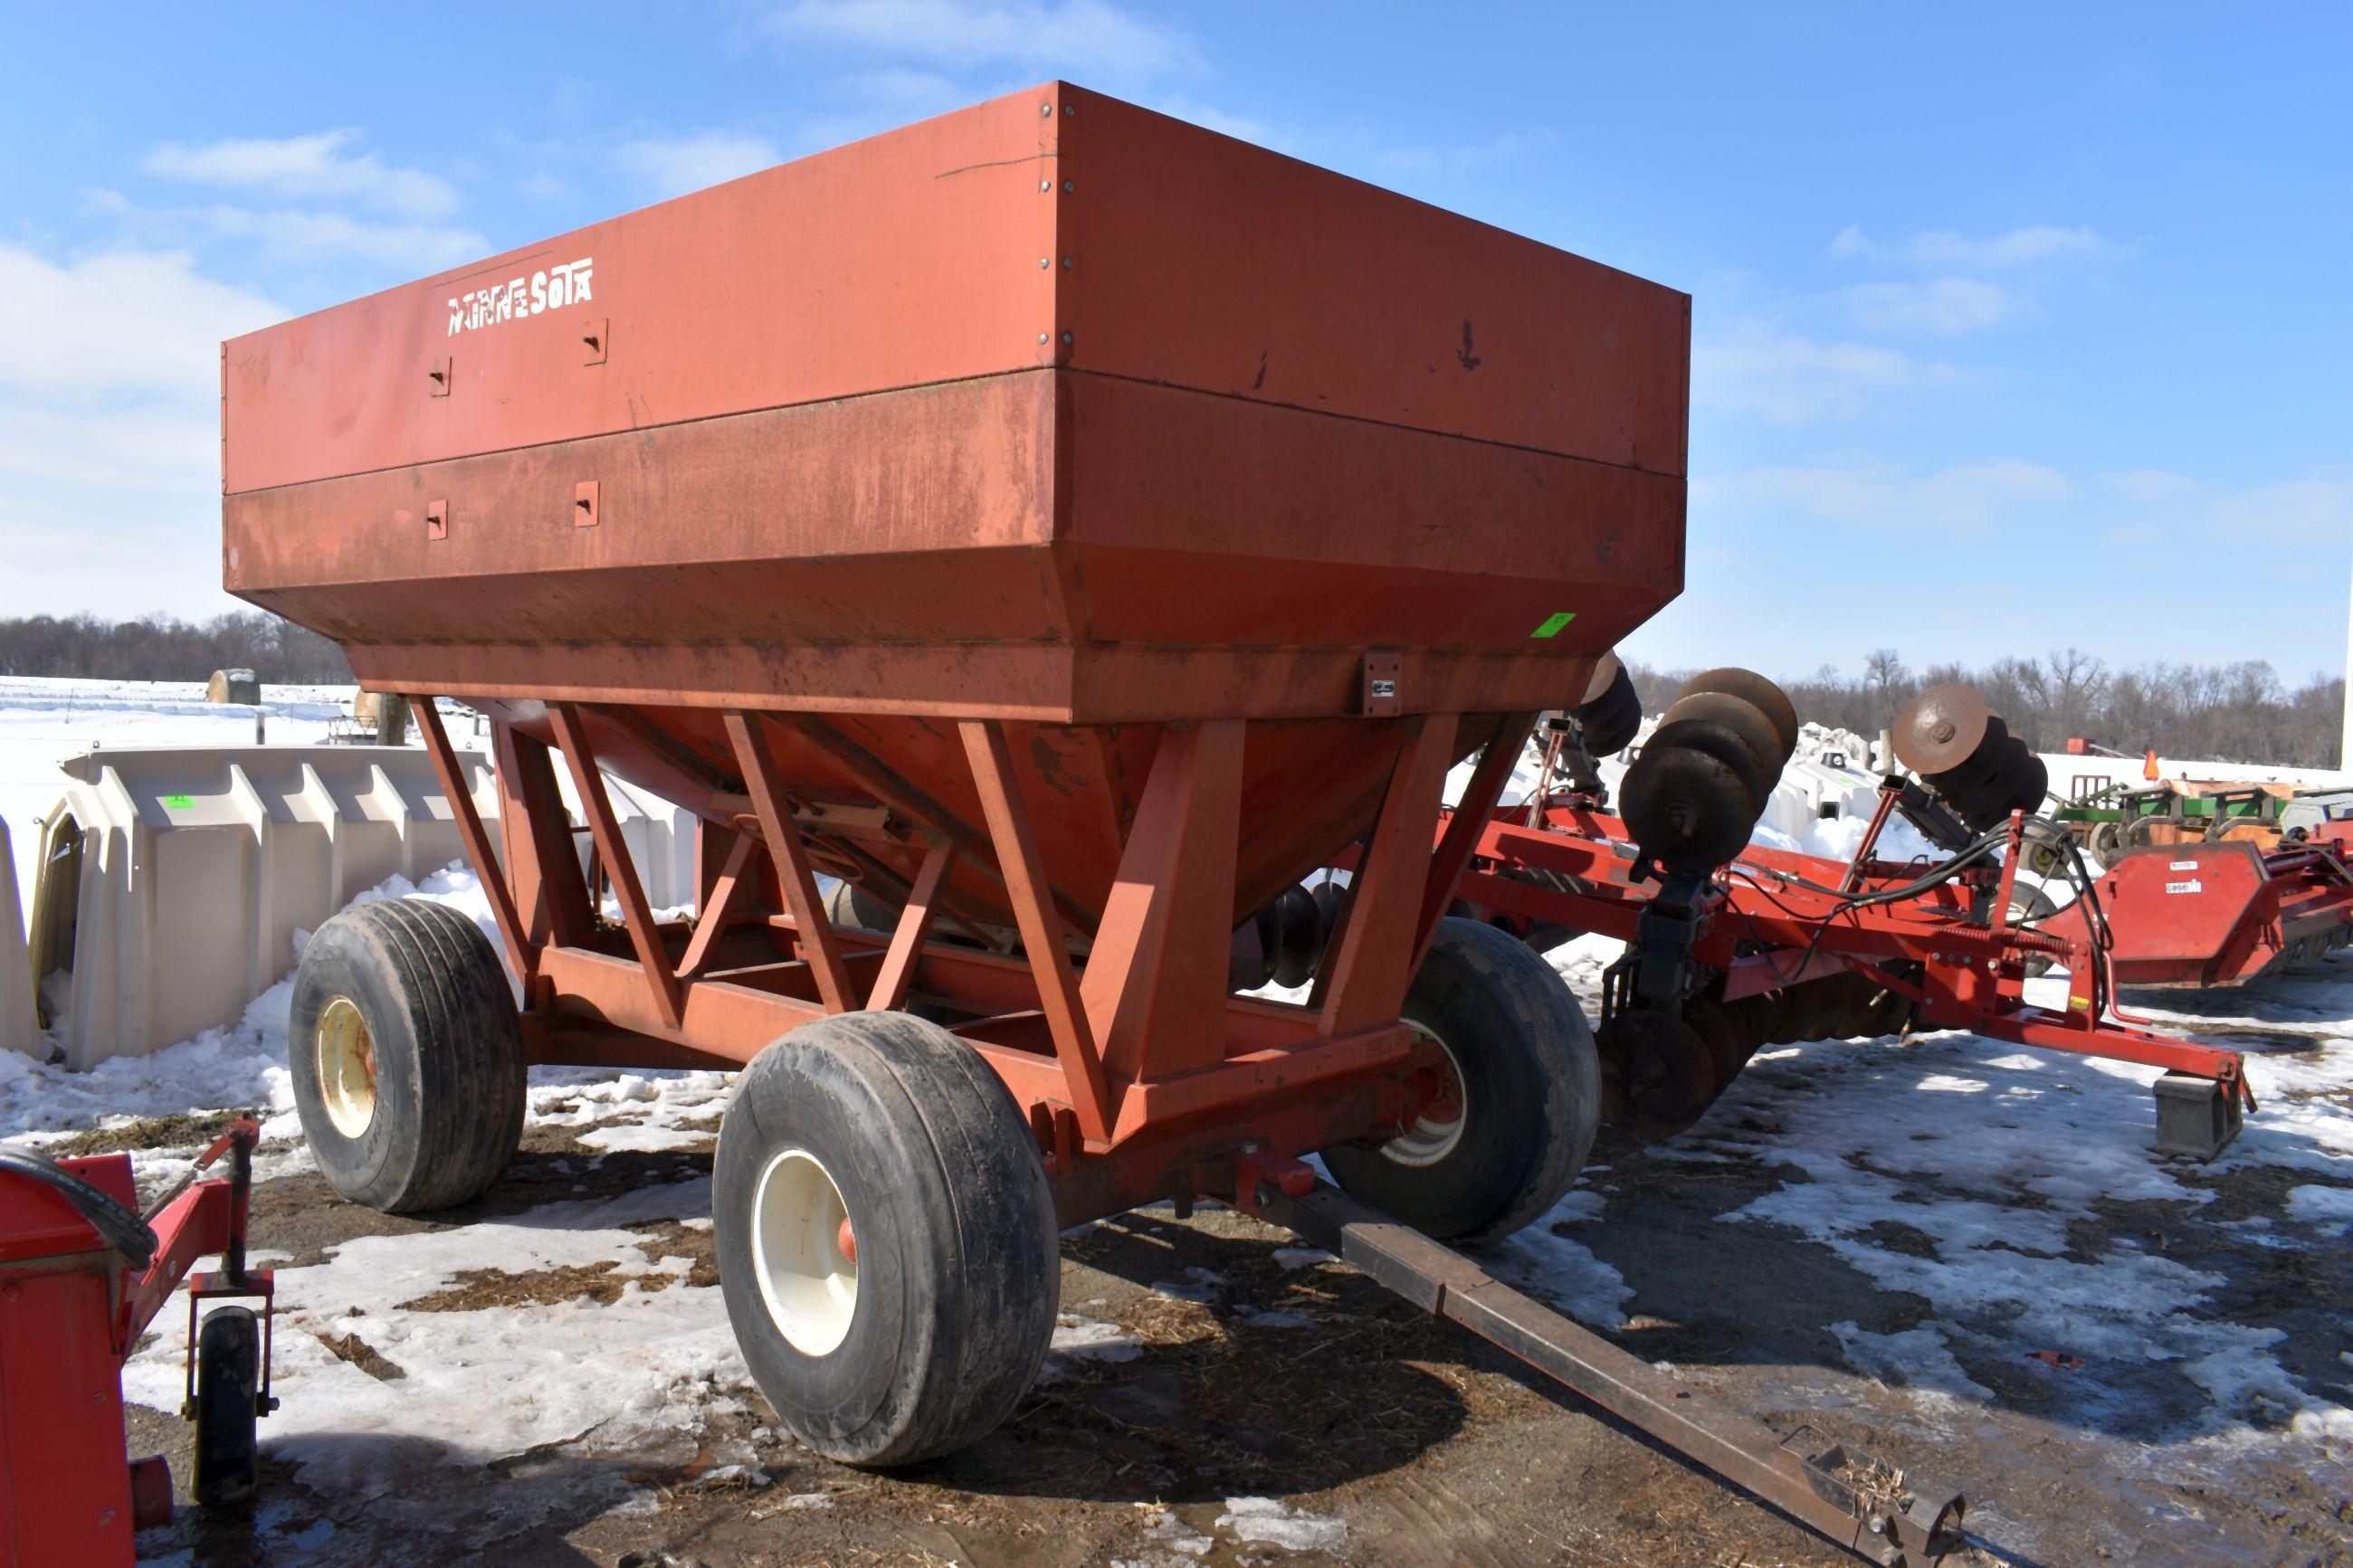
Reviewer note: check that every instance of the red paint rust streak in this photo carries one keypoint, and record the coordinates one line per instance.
(636, 913)
(520, 956)
(791, 857)
(1041, 929)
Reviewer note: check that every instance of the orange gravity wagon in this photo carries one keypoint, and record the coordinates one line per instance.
(1069, 529)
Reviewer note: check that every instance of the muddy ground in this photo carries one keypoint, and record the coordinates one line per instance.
(1387, 1436)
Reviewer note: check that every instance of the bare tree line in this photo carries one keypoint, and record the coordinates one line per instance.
(160, 647)
(2220, 713)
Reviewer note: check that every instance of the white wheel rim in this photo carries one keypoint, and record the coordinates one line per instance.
(1431, 1139)
(345, 1053)
(808, 1283)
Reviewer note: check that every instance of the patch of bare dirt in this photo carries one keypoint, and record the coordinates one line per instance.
(476, 1289)
(674, 1238)
(146, 1132)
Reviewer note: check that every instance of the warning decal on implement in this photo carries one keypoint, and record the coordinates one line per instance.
(1553, 622)
(178, 801)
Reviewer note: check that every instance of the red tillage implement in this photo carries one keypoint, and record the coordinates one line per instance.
(1785, 946)
(1070, 528)
(2223, 913)
(82, 1274)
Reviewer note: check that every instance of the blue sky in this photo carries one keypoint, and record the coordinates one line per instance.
(2015, 327)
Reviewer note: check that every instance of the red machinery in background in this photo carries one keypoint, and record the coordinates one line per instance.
(2223, 913)
(82, 1274)
(1775, 946)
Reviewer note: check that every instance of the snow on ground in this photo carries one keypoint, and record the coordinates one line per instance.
(1269, 1521)
(490, 1381)
(485, 1383)
(1976, 1176)
(1965, 1172)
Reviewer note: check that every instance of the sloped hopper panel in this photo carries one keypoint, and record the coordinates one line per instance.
(1053, 410)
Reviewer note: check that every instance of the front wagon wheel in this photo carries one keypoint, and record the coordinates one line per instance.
(406, 1056)
(886, 1238)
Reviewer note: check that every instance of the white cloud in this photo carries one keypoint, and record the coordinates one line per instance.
(125, 320)
(1949, 250)
(674, 165)
(1059, 36)
(1944, 306)
(160, 446)
(321, 167)
(1863, 491)
(1177, 106)
(308, 235)
(2316, 509)
(110, 429)
(899, 88)
(1793, 380)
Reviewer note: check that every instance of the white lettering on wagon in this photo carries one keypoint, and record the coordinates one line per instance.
(551, 289)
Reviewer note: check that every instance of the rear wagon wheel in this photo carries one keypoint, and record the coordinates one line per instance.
(886, 1238)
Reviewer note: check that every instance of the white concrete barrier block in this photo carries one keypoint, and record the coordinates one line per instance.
(19, 1027)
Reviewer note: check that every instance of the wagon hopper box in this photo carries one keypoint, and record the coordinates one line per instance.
(1070, 528)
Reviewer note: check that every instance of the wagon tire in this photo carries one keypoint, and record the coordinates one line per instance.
(229, 1384)
(406, 1056)
(1529, 1094)
(889, 1134)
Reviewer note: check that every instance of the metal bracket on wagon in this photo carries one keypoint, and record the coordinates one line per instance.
(1865, 1504)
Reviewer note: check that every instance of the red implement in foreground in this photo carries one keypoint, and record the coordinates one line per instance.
(1806, 935)
(2221, 914)
(82, 1274)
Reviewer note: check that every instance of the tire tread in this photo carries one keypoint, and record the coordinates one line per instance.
(436, 967)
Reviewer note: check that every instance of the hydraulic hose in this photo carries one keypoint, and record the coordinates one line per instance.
(115, 1222)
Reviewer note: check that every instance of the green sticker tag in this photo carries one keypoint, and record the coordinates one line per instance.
(179, 802)
(1553, 622)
